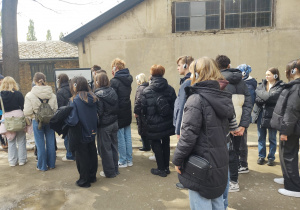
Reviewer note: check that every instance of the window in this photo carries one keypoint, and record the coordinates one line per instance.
(45, 68)
(221, 14)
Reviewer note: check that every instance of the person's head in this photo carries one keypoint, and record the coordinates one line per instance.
(1, 78)
(79, 85)
(204, 69)
(223, 62)
(62, 78)
(39, 79)
(102, 80)
(95, 68)
(157, 70)
(9, 84)
(272, 75)
(183, 64)
(141, 78)
(116, 65)
(245, 69)
(100, 71)
(293, 70)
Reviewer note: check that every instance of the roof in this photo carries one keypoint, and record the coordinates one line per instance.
(45, 50)
(77, 35)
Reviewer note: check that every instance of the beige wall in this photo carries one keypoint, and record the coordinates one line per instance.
(143, 36)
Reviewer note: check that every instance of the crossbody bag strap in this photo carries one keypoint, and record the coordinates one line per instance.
(3, 110)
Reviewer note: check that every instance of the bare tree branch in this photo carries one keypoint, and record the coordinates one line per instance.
(78, 3)
(45, 6)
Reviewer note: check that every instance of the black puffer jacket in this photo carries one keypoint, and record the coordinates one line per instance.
(12, 100)
(121, 83)
(203, 132)
(158, 126)
(141, 120)
(286, 115)
(265, 101)
(63, 95)
(241, 97)
(107, 106)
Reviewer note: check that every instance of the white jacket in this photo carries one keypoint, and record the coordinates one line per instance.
(32, 101)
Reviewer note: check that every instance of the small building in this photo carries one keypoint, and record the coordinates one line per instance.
(43, 56)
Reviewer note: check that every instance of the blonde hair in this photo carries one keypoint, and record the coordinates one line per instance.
(206, 68)
(9, 84)
(185, 59)
(141, 79)
(118, 63)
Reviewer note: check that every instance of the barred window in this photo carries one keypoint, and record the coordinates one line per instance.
(45, 68)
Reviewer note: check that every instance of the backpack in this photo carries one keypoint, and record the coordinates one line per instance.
(44, 113)
(162, 105)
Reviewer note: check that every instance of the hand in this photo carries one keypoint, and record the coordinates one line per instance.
(136, 116)
(178, 136)
(177, 168)
(283, 137)
(233, 133)
(240, 131)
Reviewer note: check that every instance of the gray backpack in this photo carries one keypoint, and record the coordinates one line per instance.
(44, 113)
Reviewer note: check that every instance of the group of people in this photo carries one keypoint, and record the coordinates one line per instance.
(210, 116)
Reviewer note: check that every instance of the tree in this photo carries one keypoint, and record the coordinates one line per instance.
(0, 28)
(61, 36)
(48, 37)
(31, 32)
(10, 50)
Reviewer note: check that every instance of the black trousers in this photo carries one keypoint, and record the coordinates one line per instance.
(234, 153)
(107, 141)
(288, 153)
(146, 142)
(161, 149)
(243, 158)
(86, 161)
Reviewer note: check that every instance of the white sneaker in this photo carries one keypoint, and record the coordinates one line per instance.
(122, 165)
(233, 186)
(129, 163)
(66, 159)
(289, 193)
(279, 180)
(152, 158)
(102, 173)
(21, 164)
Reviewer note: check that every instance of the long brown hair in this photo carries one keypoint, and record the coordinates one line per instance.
(102, 80)
(295, 64)
(39, 78)
(62, 78)
(81, 88)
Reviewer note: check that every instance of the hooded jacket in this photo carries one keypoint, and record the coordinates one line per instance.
(241, 97)
(265, 102)
(12, 101)
(107, 106)
(84, 113)
(205, 125)
(32, 101)
(286, 115)
(63, 95)
(141, 121)
(158, 126)
(121, 83)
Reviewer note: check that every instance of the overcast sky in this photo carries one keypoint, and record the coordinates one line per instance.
(58, 15)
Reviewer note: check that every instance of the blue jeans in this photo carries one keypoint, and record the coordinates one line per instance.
(69, 154)
(125, 145)
(262, 135)
(225, 194)
(199, 202)
(46, 155)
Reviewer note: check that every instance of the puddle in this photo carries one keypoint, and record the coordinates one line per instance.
(44, 200)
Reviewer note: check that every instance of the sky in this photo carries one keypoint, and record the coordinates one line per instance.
(58, 15)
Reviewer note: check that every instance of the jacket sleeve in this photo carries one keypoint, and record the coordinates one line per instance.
(181, 102)
(190, 130)
(247, 109)
(28, 108)
(114, 84)
(137, 102)
(21, 101)
(143, 103)
(292, 114)
(53, 102)
(269, 97)
(72, 119)
(100, 108)
(60, 98)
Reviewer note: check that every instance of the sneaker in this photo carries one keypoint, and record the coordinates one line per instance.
(152, 158)
(233, 186)
(129, 163)
(21, 164)
(36, 159)
(261, 161)
(271, 162)
(158, 172)
(122, 165)
(289, 193)
(12, 165)
(243, 170)
(279, 180)
(179, 186)
(66, 159)
(167, 170)
(102, 173)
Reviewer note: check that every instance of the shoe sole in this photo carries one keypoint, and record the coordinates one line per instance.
(243, 172)
(234, 190)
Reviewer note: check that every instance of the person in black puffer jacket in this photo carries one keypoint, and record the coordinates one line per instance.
(158, 105)
(121, 83)
(242, 102)
(286, 119)
(205, 125)
(267, 94)
(63, 97)
(107, 139)
(141, 121)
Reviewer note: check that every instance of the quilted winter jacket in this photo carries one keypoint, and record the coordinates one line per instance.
(141, 120)
(63, 95)
(241, 97)
(32, 101)
(286, 115)
(205, 125)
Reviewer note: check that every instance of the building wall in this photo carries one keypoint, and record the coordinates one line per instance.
(143, 36)
(26, 78)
